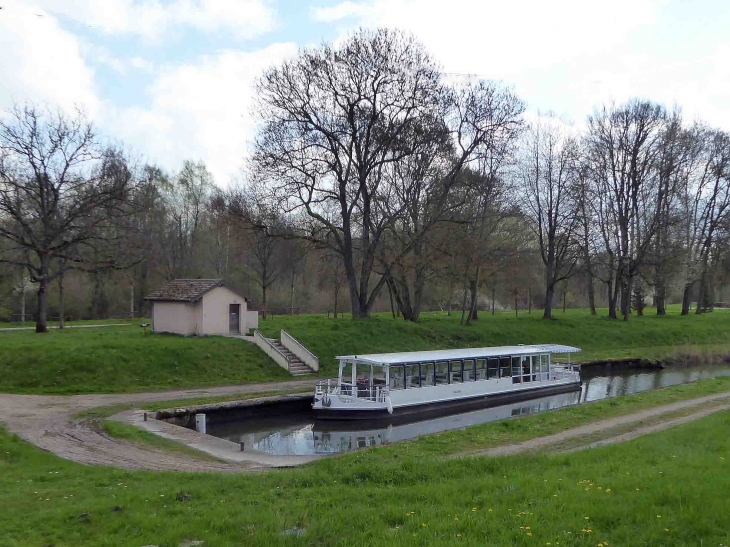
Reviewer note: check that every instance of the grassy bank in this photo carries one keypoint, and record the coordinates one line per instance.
(122, 359)
(664, 489)
(650, 336)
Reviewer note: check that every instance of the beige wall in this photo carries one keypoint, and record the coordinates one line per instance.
(178, 317)
(209, 315)
(215, 311)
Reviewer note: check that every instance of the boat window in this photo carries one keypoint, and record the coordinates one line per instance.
(469, 371)
(379, 376)
(535, 359)
(545, 367)
(456, 376)
(481, 369)
(516, 376)
(396, 377)
(426, 374)
(493, 368)
(442, 373)
(412, 379)
(504, 367)
(526, 368)
(347, 373)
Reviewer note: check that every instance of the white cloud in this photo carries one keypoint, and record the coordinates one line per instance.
(565, 55)
(153, 19)
(122, 66)
(343, 10)
(41, 62)
(199, 110)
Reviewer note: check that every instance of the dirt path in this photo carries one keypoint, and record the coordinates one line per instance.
(11, 329)
(554, 442)
(47, 422)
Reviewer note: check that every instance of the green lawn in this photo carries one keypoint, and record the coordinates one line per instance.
(123, 359)
(669, 488)
(600, 338)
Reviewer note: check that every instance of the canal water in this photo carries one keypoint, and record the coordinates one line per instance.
(298, 433)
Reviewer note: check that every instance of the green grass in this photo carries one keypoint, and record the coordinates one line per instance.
(649, 336)
(115, 359)
(145, 438)
(31, 324)
(669, 488)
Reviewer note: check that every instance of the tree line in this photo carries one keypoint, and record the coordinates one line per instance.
(377, 180)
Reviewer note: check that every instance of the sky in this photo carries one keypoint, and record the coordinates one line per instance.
(172, 79)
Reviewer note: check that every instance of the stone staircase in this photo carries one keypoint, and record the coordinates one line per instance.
(296, 366)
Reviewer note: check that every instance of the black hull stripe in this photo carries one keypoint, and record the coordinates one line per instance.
(427, 410)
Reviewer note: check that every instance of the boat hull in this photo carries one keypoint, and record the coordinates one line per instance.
(435, 408)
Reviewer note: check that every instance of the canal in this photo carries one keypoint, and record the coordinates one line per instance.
(296, 432)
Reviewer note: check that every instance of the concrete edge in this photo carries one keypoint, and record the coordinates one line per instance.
(166, 413)
(219, 448)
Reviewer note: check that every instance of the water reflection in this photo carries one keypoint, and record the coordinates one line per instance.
(300, 434)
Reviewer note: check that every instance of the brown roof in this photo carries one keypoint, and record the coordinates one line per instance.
(185, 290)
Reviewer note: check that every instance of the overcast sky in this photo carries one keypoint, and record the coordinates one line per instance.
(172, 78)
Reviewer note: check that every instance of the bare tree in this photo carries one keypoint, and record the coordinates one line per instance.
(332, 120)
(55, 192)
(548, 178)
(706, 206)
(622, 145)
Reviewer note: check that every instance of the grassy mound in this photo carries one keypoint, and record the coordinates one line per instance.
(123, 359)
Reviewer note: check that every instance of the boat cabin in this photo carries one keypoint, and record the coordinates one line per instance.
(366, 376)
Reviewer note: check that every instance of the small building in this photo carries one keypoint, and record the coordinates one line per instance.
(198, 307)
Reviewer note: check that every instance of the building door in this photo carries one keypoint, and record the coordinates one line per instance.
(234, 318)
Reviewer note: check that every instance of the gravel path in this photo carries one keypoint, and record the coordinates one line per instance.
(542, 443)
(47, 421)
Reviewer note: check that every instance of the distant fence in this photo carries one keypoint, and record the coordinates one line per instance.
(278, 311)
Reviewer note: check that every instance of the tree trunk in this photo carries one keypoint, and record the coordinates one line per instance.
(565, 297)
(548, 313)
(612, 295)
(686, 295)
(626, 298)
(390, 293)
(473, 295)
(529, 301)
(263, 302)
(661, 301)
(591, 295)
(291, 300)
(41, 322)
(22, 300)
(493, 300)
(131, 299)
(61, 302)
(337, 294)
(463, 306)
(702, 291)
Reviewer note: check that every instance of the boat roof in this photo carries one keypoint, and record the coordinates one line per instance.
(449, 354)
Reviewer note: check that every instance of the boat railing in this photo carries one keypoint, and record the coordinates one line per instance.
(354, 391)
(564, 371)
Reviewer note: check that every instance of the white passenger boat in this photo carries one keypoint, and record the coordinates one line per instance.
(379, 385)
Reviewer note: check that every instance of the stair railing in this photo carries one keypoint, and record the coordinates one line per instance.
(299, 350)
(271, 350)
